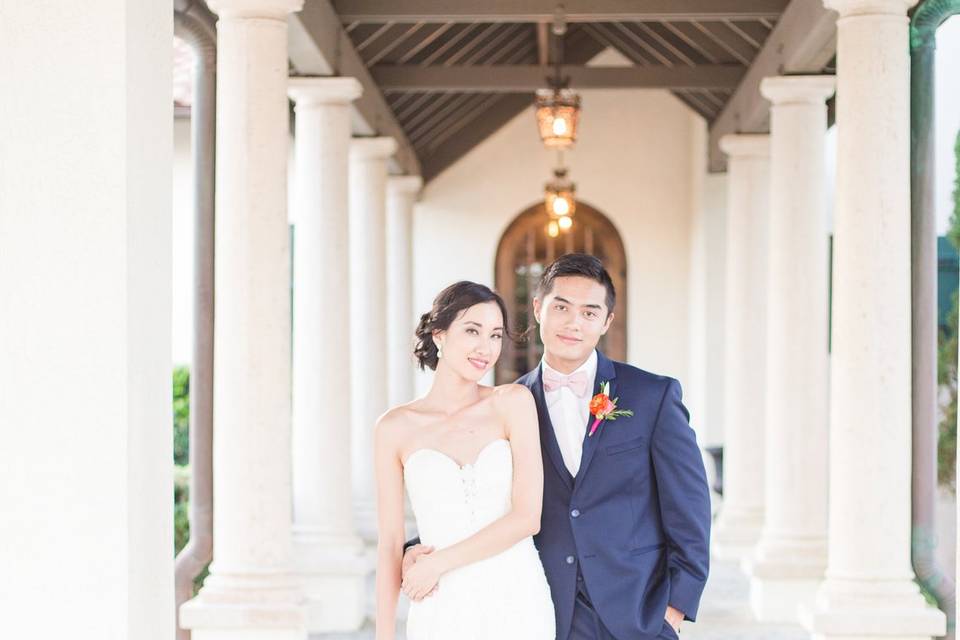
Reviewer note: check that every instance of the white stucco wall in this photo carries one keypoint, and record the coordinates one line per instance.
(634, 161)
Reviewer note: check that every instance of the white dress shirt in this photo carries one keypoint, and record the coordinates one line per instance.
(569, 413)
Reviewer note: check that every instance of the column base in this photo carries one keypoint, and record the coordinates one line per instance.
(334, 579)
(246, 606)
(737, 533)
(246, 634)
(785, 573)
(779, 599)
(871, 609)
(242, 620)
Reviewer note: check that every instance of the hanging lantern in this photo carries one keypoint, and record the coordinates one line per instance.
(560, 197)
(565, 222)
(557, 108)
(558, 112)
(553, 229)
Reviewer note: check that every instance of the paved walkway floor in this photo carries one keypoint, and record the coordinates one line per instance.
(724, 614)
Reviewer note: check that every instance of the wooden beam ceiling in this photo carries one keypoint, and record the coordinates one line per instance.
(319, 46)
(544, 10)
(803, 41)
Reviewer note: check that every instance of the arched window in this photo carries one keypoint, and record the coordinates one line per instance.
(524, 252)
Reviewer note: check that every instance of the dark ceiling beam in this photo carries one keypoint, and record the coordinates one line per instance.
(543, 10)
(529, 78)
(803, 41)
(320, 46)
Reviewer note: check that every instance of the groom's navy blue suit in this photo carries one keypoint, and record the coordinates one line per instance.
(632, 529)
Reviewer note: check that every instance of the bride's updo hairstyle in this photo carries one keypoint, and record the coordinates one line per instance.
(448, 304)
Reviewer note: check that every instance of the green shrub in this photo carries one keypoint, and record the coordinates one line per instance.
(947, 359)
(181, 507)
(181, 415)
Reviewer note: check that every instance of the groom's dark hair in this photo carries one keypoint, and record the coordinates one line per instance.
(578, 264)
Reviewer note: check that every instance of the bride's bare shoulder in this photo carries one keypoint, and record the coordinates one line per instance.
(511, 395)
(511, 388)
(395, 422)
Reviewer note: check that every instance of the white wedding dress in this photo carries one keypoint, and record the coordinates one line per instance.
(504, 597)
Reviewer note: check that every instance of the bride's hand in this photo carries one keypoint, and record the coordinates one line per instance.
(420, 579)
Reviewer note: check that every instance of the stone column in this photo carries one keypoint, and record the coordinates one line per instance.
(869, 590)
(251, 590)
(402, 192)
(328, 553)
(792, 552)
(748, 204)
(86, 481)
(715, 198)
(368, 314)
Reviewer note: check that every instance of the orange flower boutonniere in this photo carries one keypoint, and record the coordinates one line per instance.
(603, 408)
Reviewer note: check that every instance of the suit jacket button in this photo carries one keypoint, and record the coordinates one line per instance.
(570, 560)
(575, 513)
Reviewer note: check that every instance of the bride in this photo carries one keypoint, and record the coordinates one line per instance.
(469, 457)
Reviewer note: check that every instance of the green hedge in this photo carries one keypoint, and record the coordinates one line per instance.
(947, 359)
(181, 457)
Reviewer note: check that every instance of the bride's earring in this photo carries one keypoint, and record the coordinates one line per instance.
(439, 351)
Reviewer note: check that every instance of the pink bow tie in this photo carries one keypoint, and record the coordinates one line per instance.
(576, 382)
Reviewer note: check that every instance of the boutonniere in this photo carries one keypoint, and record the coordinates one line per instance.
(603, 408)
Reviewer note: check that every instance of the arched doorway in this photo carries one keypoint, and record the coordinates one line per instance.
(525, 250)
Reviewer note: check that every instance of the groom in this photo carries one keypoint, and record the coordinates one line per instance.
(624, 536)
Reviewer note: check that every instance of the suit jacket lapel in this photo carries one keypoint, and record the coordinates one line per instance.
(605, 371)
(548, 436)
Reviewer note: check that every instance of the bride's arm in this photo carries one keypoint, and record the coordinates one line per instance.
(390, 524)
(517, 409)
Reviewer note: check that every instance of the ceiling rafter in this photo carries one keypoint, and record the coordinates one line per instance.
(472, 44)
(666, 44)
(753, 42)
(710, 30)
(478, 55)
(363, 44)
(437, 53)
(425, 42)
(643, 44)
(393, 44)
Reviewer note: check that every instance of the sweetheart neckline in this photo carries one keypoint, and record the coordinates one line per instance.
(451, 458)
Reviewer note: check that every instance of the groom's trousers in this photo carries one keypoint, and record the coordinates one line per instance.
(587, 624)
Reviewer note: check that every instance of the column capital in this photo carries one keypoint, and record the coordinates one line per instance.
(798, 89)
(372, 148)
(276, 9)
(847, 8)
(405, 184)
(323, 90)
(738, 145)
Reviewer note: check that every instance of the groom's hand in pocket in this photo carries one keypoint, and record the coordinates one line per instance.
(409, 559)
(674, 617)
